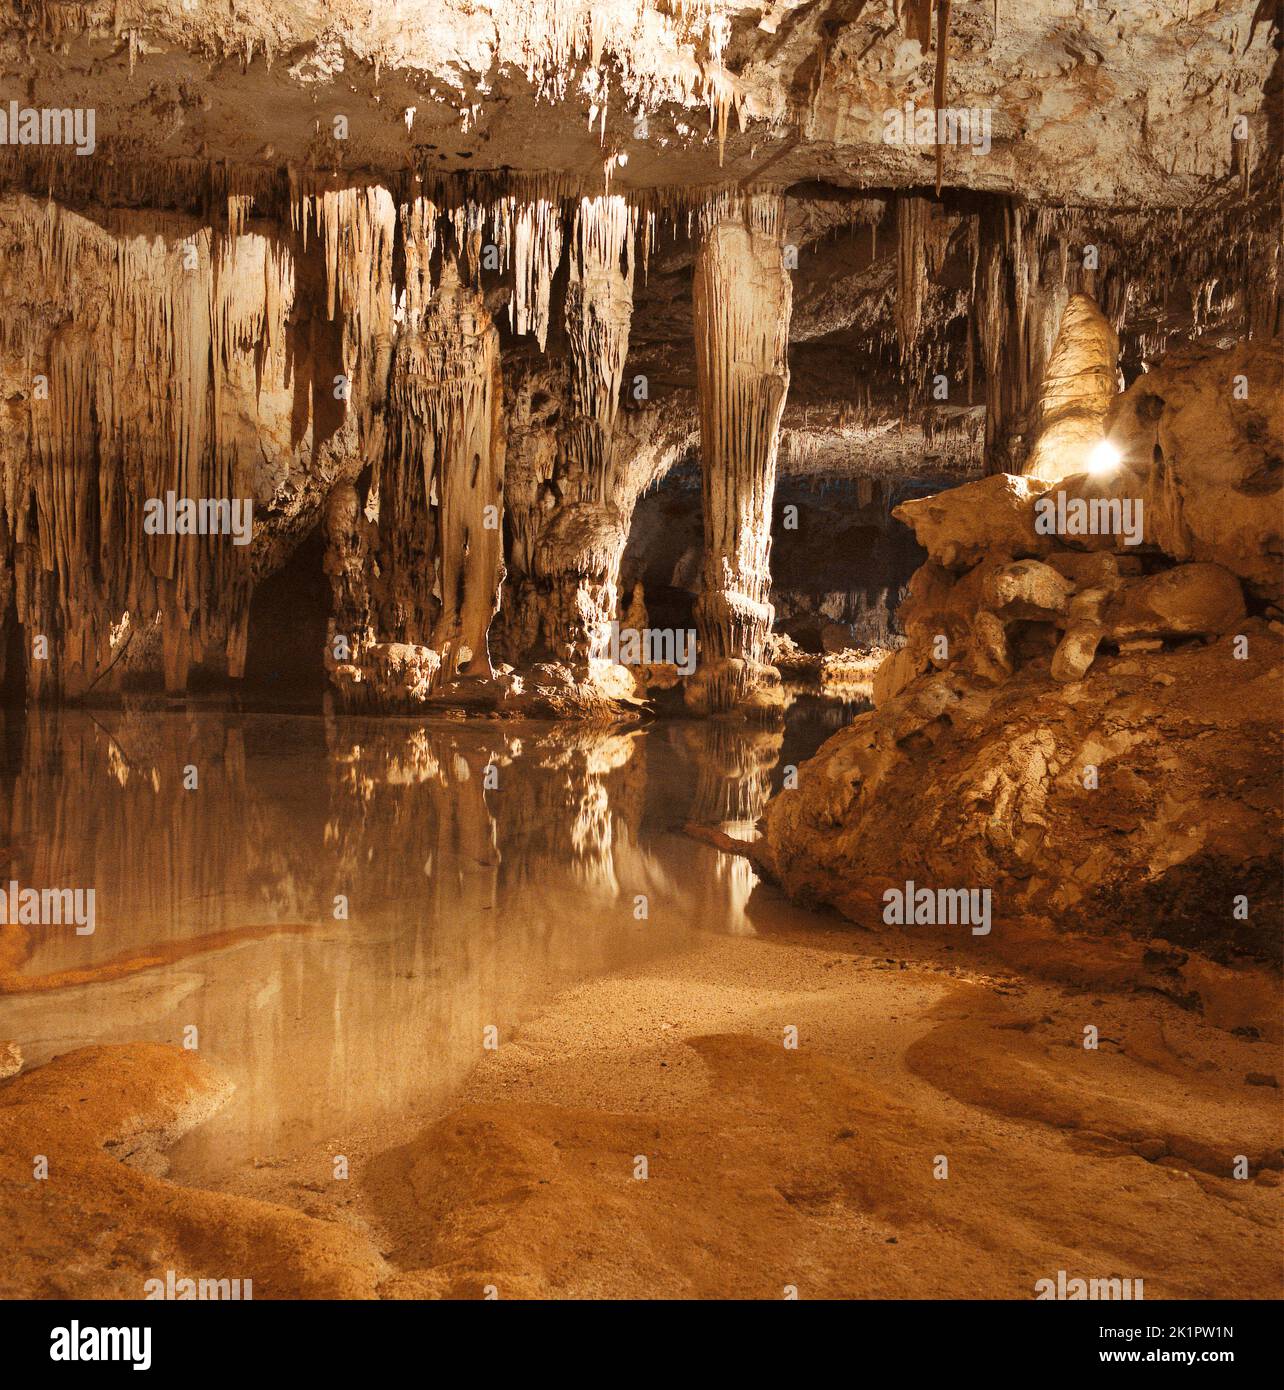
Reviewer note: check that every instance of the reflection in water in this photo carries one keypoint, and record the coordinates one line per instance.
(482, 867)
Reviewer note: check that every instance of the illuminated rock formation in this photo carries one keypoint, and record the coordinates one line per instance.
(1203, 430)
(576, 560)
(742, 299)
(1056, 688)
(1079, 385)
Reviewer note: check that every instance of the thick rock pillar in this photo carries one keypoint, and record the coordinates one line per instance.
(577, 557)
(450, 398)
(742, 298)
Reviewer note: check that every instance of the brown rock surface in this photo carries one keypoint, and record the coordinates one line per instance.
(1206, 428)
(956, 782)
(1187, 599)
(99, 1226)
(991, 516)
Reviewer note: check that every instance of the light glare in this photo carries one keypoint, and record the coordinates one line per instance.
(1104, 458)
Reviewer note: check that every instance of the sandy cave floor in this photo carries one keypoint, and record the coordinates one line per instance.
(769, 1168)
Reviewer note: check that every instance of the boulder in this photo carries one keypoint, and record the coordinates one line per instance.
(1187, 600)
(1206, 428)
(1076, 651)
(1026, 589)
(965, 524)
(1096, 512)
(1099, 569)
(897, 670)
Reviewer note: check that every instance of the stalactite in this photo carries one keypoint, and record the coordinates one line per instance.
(1015, 317)
(742, 300)
(419, 239)
(357, 227)
(537, 249)
(923, 235)
(448, 399)
(416, 572)
(132, 412)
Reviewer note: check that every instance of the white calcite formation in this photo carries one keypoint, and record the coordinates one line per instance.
(742, 302)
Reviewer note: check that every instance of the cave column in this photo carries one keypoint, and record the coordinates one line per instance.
(468, 442)
(577, 556)
(449, 399)
(742, 297)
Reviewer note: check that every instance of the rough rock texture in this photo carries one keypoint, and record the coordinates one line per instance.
(681, 91)
(293, 215)
(1094, 737)
(959, 782)
(1205, 429)
(743, 297)
(570, 534)
(959, 527)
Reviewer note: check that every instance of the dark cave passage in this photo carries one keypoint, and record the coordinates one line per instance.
(287, 629)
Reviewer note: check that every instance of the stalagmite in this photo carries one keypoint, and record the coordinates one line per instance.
(1079, 384)
(742, 300)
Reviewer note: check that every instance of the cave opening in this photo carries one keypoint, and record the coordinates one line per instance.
(286, 637)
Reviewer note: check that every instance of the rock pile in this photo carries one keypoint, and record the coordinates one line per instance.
(1084, 719)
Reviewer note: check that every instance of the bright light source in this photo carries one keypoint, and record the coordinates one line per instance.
(1105, 458)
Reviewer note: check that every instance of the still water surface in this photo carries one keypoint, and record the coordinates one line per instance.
(482, 865)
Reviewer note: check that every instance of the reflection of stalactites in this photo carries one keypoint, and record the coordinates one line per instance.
(742, 300)
(424, 791)
(735, 763)
(113, 787)
(600, 777)
(727, 895)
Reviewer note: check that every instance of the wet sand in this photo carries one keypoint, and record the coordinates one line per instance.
(815, 1168)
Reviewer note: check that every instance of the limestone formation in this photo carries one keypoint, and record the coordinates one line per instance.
(1057, 702)
(1204, 429)
(1079, 385)
(577, 556)
(742, 301)
(497, 493)
(994, 515)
